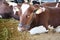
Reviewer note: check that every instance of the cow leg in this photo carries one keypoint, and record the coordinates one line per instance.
(45, 22)
(46, 25)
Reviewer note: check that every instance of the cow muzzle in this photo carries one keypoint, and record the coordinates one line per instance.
(22, 27)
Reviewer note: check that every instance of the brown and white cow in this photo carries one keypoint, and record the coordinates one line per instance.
(5, 10)
(43, 16)
(8, 10)
(16, 8)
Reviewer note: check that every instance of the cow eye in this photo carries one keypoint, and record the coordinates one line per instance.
(27, 16)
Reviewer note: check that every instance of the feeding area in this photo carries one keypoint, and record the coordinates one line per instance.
(8, 31)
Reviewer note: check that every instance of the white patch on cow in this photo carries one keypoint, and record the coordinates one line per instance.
(40, 10)
(26, 1)
(57, 29)
(43, 9)
(31, 2)
(12, 3)
(50, 27)
(0, 16)
(15, 9)
(38, 30)
(24, 7)
(14, 6)
(57, 5)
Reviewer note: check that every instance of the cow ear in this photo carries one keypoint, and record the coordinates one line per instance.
(40, 10)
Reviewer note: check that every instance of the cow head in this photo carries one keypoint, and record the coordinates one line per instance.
(27, 13)
(16, 9)
(6, 11)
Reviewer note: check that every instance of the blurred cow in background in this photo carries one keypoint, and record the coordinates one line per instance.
(16, 10)
(6, 11)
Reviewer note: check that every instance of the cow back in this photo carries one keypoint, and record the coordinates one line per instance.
(51, 4)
